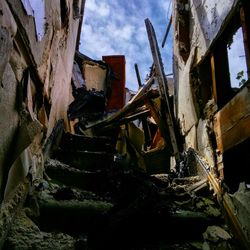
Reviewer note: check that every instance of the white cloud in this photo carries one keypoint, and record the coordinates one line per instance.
(117, 27)
(101, 8)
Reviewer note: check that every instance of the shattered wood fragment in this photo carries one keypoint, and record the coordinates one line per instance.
(196, 185)
(162, 81)
(127, 110)
(138, 75)
(166, 33)
(144, 121)
(139, 115)
(187, 180)
(163, 129)
(148, 84)
(88, 104)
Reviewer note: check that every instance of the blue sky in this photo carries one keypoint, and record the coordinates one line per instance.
(117, 28)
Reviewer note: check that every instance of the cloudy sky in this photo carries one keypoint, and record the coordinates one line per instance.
(237, 59)
(117, 28)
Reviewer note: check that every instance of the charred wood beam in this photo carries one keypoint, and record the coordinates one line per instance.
(136, 114)
(138, 75)
(128, 109)
(156, 114)
(144, 89)
(147, 134)
(161, 77)
(140, 115)
(166, 33)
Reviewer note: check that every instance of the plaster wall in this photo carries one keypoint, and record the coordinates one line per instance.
(207, 19)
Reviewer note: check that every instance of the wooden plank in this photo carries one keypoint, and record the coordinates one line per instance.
(232, 123)
(163, 86)
(138, 75)
(166, 33)
(214, 91)
(129, 109)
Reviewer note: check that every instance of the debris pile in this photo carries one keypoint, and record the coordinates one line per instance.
(109, 206)
(119, 178)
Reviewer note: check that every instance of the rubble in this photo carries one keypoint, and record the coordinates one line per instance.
(87, 170)
(24, 234)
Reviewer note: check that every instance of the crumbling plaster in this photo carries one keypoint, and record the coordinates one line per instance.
(49, 61)
(207, 20)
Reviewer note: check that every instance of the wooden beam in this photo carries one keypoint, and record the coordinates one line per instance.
(232, 123)
(156, 114)
(166, 33)
(138, 75)
(139, 115)
(214, 91)
(129, 109)
(166, 111)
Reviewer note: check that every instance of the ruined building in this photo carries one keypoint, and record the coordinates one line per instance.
(86, 164)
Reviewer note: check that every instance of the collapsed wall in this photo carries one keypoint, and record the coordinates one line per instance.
(38, 41)
(211, 70)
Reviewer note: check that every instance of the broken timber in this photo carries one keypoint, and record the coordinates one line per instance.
(144, 121)
(129, 109)
(224, 199)
(161, 78)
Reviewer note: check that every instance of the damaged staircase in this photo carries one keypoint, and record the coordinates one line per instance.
(88, 201)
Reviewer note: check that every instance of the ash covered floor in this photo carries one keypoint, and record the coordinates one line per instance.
(88, 200)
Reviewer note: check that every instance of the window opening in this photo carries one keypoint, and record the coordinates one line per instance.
(237, 60)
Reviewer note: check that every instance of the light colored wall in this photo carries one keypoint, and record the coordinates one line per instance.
(207, 20)
(50, 59)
